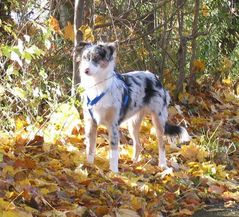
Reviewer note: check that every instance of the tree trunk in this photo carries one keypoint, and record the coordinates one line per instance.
(167, 30)
(182, 48)
(192, 77)
(78, 21)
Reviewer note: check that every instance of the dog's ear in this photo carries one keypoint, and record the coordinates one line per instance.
(81, 46)
(78, 49)
(112, 47)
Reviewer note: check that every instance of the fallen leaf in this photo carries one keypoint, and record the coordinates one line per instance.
(122, 212)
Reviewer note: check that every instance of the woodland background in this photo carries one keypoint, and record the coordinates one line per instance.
(192, 45)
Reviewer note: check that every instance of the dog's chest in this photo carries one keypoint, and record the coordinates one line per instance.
(105, 115)
(106, 110)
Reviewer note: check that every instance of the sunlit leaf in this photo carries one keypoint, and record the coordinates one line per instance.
(205, 10)
(15, 57)
(121, 212)
(54, 24)
(198, 65)
(193, 152)
(87, 33)
(19, 92)
(68, 32)
(99, 20)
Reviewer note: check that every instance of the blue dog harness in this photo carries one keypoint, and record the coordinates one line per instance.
(124, 104)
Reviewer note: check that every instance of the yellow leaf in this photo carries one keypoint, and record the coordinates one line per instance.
(15, 213)
(198, 66)
(82, 174)
(137, 202)
(4, 204)
(68, 32)
(61, 123)
(99, 20)
(102, 210)
(126, 213)
(5, 139)
(10, 194)
(127, 151)
(204, 10)
(8, 170)
(193, 152)
(227, 81)
(54, 24)
(87, 33)
(19, 92)
(55, 164)
(199, 121)
(49, 189)
(226, 64)
(8, 209)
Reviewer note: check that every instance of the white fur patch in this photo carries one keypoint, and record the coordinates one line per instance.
(114, 158)
(90, 158)
(162, 159)
(184, 136)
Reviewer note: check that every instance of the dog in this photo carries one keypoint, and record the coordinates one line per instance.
(111, 98)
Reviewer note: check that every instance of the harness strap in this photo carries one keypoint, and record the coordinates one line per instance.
(125, 99)
(90, 103)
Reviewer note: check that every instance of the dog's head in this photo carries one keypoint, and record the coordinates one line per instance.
(97, 60)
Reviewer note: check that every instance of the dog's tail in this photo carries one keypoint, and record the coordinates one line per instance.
(174, 131)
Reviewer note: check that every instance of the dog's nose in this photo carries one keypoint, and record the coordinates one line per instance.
(87, 71)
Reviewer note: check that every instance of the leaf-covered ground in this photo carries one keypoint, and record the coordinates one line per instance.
(43, 171)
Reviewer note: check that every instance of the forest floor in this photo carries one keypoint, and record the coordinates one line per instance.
(217, 211)
(43, 171)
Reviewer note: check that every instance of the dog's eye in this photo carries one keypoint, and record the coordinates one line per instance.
(96, 58)
(86, 56)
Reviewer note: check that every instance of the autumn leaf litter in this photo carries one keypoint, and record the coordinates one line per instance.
(43, 170)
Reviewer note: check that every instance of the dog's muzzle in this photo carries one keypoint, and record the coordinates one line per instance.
(87, 71)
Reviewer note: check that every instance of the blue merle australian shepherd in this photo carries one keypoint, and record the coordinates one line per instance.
(111, 98)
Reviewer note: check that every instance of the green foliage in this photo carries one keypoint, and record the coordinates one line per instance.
(29, 83)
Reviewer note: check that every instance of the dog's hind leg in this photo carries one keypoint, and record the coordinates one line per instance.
(114, 143)
(134, 124)
(159, 126)
(90, 139)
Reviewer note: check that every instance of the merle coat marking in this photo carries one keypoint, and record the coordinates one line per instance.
(110, 99)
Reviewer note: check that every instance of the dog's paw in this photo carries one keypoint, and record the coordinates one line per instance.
(163, 165)
(166, 171)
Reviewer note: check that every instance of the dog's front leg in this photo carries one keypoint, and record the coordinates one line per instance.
(90, 139)
(114, 143)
